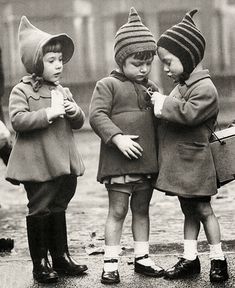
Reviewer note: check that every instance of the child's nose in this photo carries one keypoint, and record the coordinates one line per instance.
(166, 68)
(143, 68)
(59, 65)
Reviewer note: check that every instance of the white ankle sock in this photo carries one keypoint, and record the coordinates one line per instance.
(111, 252)
(216, 252)
(141, 248)
(190, 249)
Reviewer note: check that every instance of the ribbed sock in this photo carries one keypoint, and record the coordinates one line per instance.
(190, 249)
(216, 252)
(111, 252)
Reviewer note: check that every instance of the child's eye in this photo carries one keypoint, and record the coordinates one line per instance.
(168, 62)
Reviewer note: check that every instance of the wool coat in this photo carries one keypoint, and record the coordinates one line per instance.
(120, 106)
(42, 150)
(186, 166)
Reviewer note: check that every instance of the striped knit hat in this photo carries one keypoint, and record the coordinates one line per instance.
(185, 41)
(133, 37)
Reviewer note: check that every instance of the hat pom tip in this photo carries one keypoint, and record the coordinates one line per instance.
(193, 12)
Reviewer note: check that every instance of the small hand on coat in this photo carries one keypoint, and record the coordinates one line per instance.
(127, 146)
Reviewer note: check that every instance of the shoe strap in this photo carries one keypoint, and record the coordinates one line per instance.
(112, 260)
(142, 257)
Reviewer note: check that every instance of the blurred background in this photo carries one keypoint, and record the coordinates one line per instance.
(93, 23)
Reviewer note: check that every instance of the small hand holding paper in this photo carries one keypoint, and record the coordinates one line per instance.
(57, 105)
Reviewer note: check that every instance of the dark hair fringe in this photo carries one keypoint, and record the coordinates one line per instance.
(144, 55)
(52, 46)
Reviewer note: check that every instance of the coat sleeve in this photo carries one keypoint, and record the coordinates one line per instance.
(201, 105)
(100, 112)
(21, 118)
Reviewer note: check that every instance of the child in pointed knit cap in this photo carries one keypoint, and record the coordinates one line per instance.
(121, 115)
(45, 158)
(186, 118)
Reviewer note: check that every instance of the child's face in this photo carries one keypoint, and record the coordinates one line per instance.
(171, 64)
(53, 66)
(135, 69)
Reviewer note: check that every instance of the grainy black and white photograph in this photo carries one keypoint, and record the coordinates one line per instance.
(117, 143)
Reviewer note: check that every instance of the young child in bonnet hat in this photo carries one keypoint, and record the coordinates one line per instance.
(186, 169)
(45, 158)
(122, 116)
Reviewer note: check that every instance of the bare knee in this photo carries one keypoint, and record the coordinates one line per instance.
(204, 211)
(118, 213)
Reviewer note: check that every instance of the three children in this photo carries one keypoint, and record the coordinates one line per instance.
(45, 157)
(121, 115)
(46, 161)
(186, 118)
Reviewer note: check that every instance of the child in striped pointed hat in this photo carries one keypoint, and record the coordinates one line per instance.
(187, 117)
(122, 116)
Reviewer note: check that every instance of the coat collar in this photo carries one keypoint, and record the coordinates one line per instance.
(196, 76)
(36, 82)
(122, 77)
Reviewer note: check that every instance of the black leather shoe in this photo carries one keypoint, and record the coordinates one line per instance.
(219, 271)
(110, 277)
(148, 270)
(183, 268)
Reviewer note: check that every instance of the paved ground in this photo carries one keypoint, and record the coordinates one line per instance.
(86, 217)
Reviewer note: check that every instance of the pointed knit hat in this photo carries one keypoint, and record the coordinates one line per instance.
(133, 37)
(185, 41)
(32, 40)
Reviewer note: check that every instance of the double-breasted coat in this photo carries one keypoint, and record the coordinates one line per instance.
(42, 150)
(186, 166)
(120, 106)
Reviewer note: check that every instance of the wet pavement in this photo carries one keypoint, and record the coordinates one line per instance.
(86, 217)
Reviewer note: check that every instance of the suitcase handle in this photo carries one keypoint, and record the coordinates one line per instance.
(222, 142)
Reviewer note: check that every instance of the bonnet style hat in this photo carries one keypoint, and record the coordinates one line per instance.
(133, 37)
(32, 40)
(185, 41)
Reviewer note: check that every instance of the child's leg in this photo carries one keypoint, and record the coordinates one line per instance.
(63, 263)
(40, 196)
(189, 264)
(218, 271)
(118, 208)
(139, 204)
(191, 228)
(140, 199)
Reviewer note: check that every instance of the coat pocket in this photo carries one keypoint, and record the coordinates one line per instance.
(193, 151)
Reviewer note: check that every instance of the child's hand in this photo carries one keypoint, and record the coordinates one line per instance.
(157, 100)
(156, 96)
(127, 146)
(54, 112)
(70, 107)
